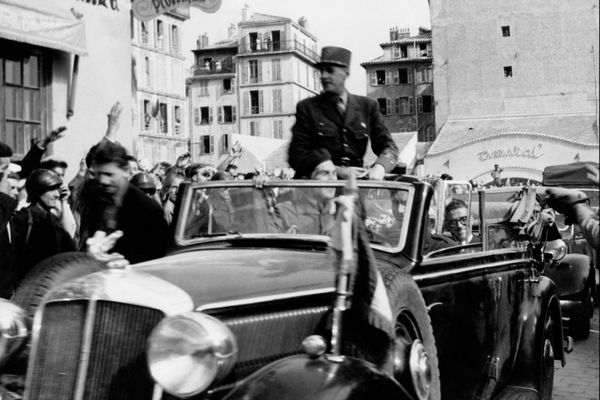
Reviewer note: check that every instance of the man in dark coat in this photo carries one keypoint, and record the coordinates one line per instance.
(8, 205)
(111, 203)
(338, 125)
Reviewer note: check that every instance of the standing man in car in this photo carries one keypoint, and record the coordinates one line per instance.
(338, 125)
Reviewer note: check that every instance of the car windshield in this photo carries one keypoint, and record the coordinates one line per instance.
(289, 208)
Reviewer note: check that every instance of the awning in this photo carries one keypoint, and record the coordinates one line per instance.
(38, 23)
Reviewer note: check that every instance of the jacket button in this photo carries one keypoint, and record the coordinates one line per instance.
(344, 130)
(345, 144)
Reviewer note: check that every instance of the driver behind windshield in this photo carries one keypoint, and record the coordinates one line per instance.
(456, 221)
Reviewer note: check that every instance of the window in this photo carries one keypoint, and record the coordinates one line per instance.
(163, 118)
(385, 106)
(405, 105)
(427, 134)
(21, 117)
(506, 31)
(403, 76)
(255, 72)
(147, 74)
(207, 144)
(276, 100)
(423, 50)
(206, 116)
(425, 75)
(276, 70)
(403, 51)
(380, 77)
(196, 116)
(224, 147)
(203, 88)
(254, 128)
(425, 104)
(253, 102)
(508, 72)
(144, 35)
(226, 114)
(174, 39)
(146, 115)
(278, 129)
(227, 87)
(177, 120)
(160, 34)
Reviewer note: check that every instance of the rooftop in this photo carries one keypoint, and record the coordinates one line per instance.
(576, 129)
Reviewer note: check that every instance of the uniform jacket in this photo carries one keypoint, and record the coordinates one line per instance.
(321, 130)
(145, 234)
(7, 208)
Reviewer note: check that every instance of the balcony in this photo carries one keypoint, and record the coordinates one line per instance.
(211, 68)
(267, 46)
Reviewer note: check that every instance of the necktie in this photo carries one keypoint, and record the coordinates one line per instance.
(341, 106)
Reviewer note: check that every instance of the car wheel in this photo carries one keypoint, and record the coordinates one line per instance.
(414, 355)
(579, 322)
(51, 272)
(547, 362)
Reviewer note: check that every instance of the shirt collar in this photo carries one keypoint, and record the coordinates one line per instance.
(344, 97)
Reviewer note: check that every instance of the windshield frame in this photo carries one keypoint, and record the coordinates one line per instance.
(185, 205)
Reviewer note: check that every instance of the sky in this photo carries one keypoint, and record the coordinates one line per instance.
(359, 26)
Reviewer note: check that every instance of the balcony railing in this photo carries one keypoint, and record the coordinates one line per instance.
(267, 46)
(212, 69)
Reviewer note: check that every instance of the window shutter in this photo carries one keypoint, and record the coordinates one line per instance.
(212, 144)
(260, 102)
(411, 105)
(373, 79)
(196, 116)
(388, 106)
(233, 114)
(220, 115)
(210, 115)
(387, 77)
(246, 103)
(396, 77)
(409, 72)
(259, 71)
(245, 66)
(397, 100)
(259, 41)
(420, 104)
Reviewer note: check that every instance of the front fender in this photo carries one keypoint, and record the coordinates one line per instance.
(302, 378)
(570, 274)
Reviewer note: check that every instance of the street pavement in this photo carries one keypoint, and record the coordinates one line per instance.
(579, 379)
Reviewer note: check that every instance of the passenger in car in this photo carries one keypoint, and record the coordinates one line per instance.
(456, 221)
(311, 212)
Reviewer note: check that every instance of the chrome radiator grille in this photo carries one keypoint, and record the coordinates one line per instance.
(107, 363)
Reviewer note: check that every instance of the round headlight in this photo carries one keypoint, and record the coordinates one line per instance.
(13, 329)
(187, 352)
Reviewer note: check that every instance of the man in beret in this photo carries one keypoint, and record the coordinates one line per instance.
(338, 125)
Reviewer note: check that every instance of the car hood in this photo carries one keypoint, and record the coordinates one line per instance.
(221, 275)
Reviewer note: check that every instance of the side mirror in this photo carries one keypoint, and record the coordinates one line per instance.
(555, 250)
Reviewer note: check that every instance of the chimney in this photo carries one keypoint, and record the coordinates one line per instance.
(232, 31)
(393, 34)
(245, 12)
(202, 41)
(403, 33)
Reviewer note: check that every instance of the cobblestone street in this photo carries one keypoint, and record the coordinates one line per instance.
(579, 379)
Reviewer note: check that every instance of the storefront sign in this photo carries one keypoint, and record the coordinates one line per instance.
(145, 10)
(534, 152)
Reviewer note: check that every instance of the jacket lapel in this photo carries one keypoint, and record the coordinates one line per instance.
(329, 110)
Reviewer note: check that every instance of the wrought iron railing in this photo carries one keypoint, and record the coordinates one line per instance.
(267, 46)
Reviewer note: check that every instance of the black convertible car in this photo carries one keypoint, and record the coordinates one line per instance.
(251, 275)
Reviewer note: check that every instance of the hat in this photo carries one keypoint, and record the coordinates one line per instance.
(335, 56)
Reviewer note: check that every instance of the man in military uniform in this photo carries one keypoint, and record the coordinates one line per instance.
(339, 125)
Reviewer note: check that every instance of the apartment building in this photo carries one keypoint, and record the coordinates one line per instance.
(160, 115)
(401, 81)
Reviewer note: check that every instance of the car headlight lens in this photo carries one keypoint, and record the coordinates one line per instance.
(187, 352)
(13, 329)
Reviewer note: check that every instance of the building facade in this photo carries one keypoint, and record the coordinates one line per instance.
(516, 84)
(250, 83)
(401, 81)
(64, 63)
(160, 111)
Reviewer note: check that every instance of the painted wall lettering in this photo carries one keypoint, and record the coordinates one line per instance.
(145, 10)
(534, 152)
(112, 4)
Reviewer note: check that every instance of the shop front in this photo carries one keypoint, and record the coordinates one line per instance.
(63, 62)
(512, 150)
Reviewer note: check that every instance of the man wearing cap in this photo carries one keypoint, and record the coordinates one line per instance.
(338, 125)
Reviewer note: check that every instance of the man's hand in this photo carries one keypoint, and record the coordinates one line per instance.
(114, 120)
(183, 160)
(376, 172)
(52, 136)
(564, 200)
